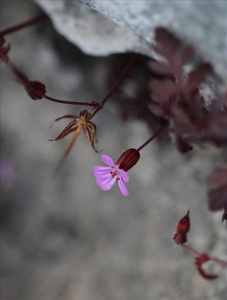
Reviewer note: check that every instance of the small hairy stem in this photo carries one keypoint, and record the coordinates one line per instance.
(197, 253)
(23, 24)
(153, 137)
(190, 249)
(121, 78)
(219, 261)
(71, 102)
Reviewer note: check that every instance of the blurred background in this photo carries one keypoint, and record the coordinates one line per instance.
(63, 237)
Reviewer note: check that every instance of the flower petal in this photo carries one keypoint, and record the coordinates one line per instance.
(100, 171)
(106, 184)
(103, 176)
(107, 160)
(124, 175)
(123, 188)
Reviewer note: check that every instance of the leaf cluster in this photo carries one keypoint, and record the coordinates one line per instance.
(177, 96)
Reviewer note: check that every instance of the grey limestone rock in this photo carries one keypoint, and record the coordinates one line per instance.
(105, 27)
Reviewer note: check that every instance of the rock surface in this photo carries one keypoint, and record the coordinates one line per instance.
(200, 23)
(89, 30)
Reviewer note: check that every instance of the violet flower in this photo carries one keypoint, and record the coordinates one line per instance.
(107, 176)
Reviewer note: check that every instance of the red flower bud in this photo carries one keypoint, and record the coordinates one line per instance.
(184, 224)
(128, 159)
(35, 89)
(182, 229)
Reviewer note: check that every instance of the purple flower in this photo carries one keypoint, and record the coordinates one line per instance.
(107, 176)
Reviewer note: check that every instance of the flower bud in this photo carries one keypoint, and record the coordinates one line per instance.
(128, 159)
(184, 224)
(183, 227)
(35, 89)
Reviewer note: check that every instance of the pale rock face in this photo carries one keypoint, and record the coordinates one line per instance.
(90, 31)
(107, 27)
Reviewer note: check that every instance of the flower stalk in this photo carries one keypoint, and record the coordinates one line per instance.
(93, 103)
(152, 137)
(23, 24)
(180, 238)
(115, 87)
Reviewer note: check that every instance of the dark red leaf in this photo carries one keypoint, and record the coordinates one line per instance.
(161, 90)
(186, 55)
(218, 176)
(167, 43)
(217, 198)
(198, 76)
(157, 110)
(182, 145)
(159, 68)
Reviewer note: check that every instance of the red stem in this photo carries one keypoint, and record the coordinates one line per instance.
(121, 78)
(190, 249)
(23, 24)
(153, 137)
(197, 253)
(70, 102)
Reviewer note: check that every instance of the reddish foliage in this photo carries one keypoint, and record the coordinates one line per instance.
(218, 176)
(132, 96)
(192, 120)
(218, 198)
(217, 195)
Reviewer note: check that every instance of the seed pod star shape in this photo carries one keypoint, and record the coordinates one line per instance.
(79, 122)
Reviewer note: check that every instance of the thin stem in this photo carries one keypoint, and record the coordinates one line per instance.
(197, 253)
(70, 102)
(153, 137)
(219, 261)
(190, 249)
(23, 24)
(121, 78)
